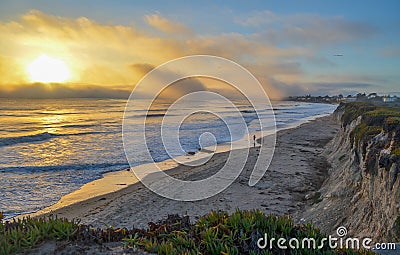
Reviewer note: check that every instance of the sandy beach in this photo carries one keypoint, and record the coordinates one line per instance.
(297, 170)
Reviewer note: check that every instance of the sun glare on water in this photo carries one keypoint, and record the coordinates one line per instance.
(48, 69)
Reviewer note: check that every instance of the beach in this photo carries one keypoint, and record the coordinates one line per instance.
(297, 171)
(199, 128)
(61, 145)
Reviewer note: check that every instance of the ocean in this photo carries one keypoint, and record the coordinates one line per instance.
(51, 147)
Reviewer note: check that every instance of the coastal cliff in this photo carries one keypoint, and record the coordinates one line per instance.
(362, 191)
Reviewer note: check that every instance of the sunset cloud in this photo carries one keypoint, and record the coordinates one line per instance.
(117, 56)
(105, 54)
(166, 25)
(141, 68)
(56, 90)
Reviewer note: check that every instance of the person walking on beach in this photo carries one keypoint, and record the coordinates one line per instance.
(254, 141)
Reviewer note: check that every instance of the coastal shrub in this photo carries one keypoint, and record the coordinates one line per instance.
(364, 131)
(395, 121)
(237, 233)
(21, 234)
(372, 115)
(355, 109)
(215, 233)
(395, 151)
(385, 112)
(317, 198)
(374, 119)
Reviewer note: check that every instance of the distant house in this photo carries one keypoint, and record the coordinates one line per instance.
(350, 99)
(389, 99)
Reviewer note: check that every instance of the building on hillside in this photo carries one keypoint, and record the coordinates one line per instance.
(389, 99)
(350, 99)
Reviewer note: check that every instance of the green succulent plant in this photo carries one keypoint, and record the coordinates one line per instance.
(215, 233)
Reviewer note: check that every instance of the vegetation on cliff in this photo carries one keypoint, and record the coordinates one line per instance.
(215, 233)
(373, 120)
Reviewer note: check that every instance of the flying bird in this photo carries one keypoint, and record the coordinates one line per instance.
(338, 55)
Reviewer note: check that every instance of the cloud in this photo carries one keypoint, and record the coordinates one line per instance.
(258, 19)
(238, 46)
(85, 45)
(332, 88)
(321, 61)
(54, 90)
(181, 88)
(173, 91)
(117, 57)
(102, 54)
(322, 31)
(11, 71)
(391, 51)
(354, 78)
(310, 29)
(141, 68)
(166, 25)
(103, 74)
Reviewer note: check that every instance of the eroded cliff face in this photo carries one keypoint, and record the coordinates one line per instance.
(362, 192)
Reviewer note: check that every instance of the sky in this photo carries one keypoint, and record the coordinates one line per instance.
(103, 48)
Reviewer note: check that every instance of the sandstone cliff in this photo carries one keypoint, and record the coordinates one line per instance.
(362, 191)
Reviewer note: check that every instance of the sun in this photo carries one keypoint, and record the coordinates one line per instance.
(48, 69)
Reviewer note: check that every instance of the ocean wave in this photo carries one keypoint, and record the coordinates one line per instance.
(148, 115)
(247, 111)
(26, 139)
(78, 126)
(155, 115)
(291, 112)
(58, 113)
(99, 168)
(41, 137)
(15, 115)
